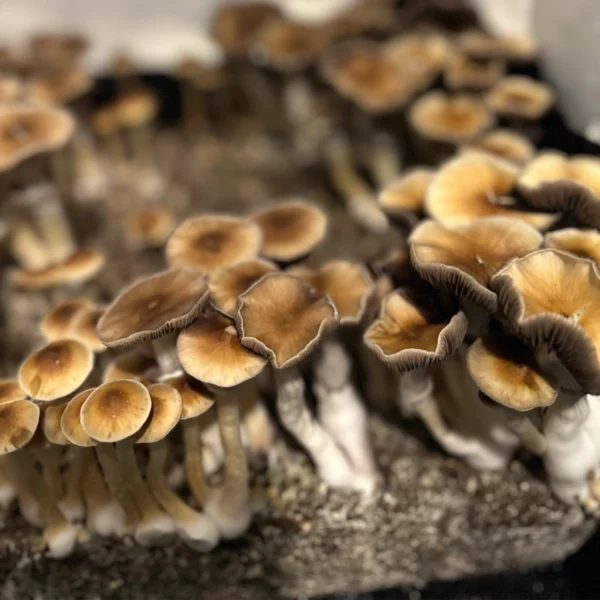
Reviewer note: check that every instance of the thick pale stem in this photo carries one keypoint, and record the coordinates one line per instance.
(8, 491)
(27, 247)
(533, 439)
(256, 421)
(566, 416)
(71, 503)
(383, 160)
(90, 179)
(166, 355)
(194, 467)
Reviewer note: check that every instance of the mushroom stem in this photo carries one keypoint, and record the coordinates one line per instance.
(256, 421)
(165, 352)
(27, 247)
(8, 491)
(90, 179)
(383, 159)
(50, 458)
(332, 465)
(29, 507)
(71, 504)
(194, 466)
(196, 529)
(533, 439)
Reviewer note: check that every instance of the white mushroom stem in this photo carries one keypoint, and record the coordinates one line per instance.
(90, 177)
(256, 421)
(8, 492)
(29, 507)
(383, 159)
(71, 503)
(194, 464)
(27, 247)
(533, 439)
(166, 355)
(332, 466)
(197, 530)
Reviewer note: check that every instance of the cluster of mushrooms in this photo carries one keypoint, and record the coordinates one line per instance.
(138, 413)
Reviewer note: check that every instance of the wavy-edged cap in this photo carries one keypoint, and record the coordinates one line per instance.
(463, 258)
(130, 365)
(56, 370)
(70, 421)
(209, 350)
(411, 333)
(506, 371)
(520, 96)
(136, 107)
(153, 306)
(196, 398)
(18, 423)
(149, 227)
(211, 242)
(474, 185)
(283, 318)
(10, 390)
(84, 326)
(552, 298)
(462, 73)
(58, 87)
(483, 46)
(503, 143)
(227, 284)
(164, 415)
(580, 242)
(116, 410)
(290, 229)
(57, 322)
(51, 418)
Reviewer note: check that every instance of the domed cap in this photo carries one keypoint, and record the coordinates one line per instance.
(56, 370)
(209, 350)
(403, 199)
(70, 421)
(153, 306)
(581, 242)
(57, 322)
(282, 318)
(136, 108)
(462, 73)
(164, 415)
(10, 390)
(116, 410)
(195, 396)
(227, 284)
(51, 417)
(462, 259)
(84, 327)
(412, 333)
(58, 87)
(503, 143)
(290, 229)
(520, 96)
(149, 227)
(212, 242)
(130, 365)
(18, 423)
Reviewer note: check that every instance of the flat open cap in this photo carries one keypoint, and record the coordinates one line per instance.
(164, 415)
(580, 242)
(51, 417)
(153, 306)
(404, 198)
(196, 398)
(70, 421)
(503, 143)
(520, 96)
(10, 390)
(282, 318)
(18, 422)
(57, 322)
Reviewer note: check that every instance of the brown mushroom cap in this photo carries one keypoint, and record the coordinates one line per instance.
(116, 410)
(130, 365)
(520, 96)
(552, 298)
(164, 415)
(10, 390)
(51, 416)
(464, 73)
(70, 421)
(463, 258)
(195, 396)
(404, 197)
(505, 371)
(409, 334)
(57, 49)
(503, 143)
(282, 318)
(18, 423)
(450, 119)
(212, 242)
(59, 87)
(136, 108)
(202, 76)
(483, 46)
(150, 227)
(153, 306)
(290, 229)
(474, 185)
(56, 370)
(581, 242)
(209, 350)
(227, 284)
(84, 327)
(57, 322)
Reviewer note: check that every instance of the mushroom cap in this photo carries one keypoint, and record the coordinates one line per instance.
(153, 306)
(116, 410)
(404, 197)
(282, 318)
(505, 371)
(450, 119)
(211, 242)
(409, 335)
(520, 96)
(206, 77)
(56, 324)
(150, 227)
(130, 365)
(503, 143)
(51, 418)
(473, 185)
(136, 107)
(290, 229)
(195, 396)
(360, 17)
(483, 46)
(348, 284)
(227, 284)
(552, 298)
(581, 242)
(84, 327)
(209, 350)
(56, 370)
(18, 423)
(164, 415)
(11, 89)
(105, 121)
(26, 131)
(58, 87)
(10, 390)
(70, 421)
(463, 258)
(463, 73)
(57, 49)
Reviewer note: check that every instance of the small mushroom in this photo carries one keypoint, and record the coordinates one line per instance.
(483, 46)
(149, 227)
(520, 97)
(503, 143)
(10, 390)
(130, 365)
(57, 322)
(464, 74)
(58, 87)
(84, 327)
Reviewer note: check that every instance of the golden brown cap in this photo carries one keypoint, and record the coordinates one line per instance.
(18, 423)
(164, 415)
(482, 46)
(84, 327)
(136, 108)
(290, 229)
(57, 49)
(462, 259)
(580, 242)
(150, 227)
(11, 89)
(195, 396)
(56, 370)
(520, 96)
(51, 416)
(10, 390)
(212, 242)
(70, 421)
(57, 323)
(503, 143)
(116, 410)
(209, 350)
(282, 318)
(58, 87)
(130, 365)
(403, 198)
(153, 306)
(465, 74)
(227, 284)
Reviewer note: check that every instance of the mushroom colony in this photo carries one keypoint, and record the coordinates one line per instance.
(156, 342)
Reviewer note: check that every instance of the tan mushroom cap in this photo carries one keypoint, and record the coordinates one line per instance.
(195, 396)
(463, 73)
(203, 76)
(10, 390)
(520, 96)
(18, 423)
(164, 415)
(407, 336)
(116, 410)
(122, 64)
(28, 130)
(507, 374)
(209, 350)
(348, 284)
(56, 370)
(150, 227)
(282, 318)
(51, 418)
(211, 242)
(464, 258)
(57, 323)
(57, 49)
(483, 46)
(290, 229)
(404, 197)
(581, 242)
(503, 143)
(130, 365)
(70, 421)
(227, 284)
(474, 185)
(11, 89)
(84, 327)
(136, 108)
(451, 119)
(59, 87)
(153, 306)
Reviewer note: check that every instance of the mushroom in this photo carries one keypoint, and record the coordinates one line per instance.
(483, 46)
(581, 242)
(149, 227)
(520, 97)
(57, 322)
(57, 50)
(130, 365)
(105, 124)
(57, 88)
(84, 327)
(464, 74)
(503, 143)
